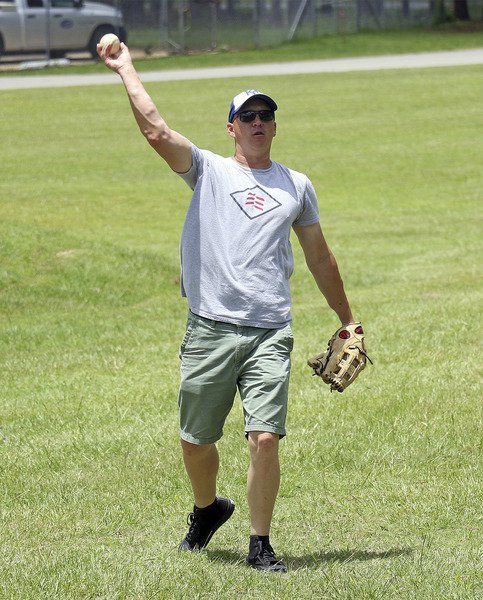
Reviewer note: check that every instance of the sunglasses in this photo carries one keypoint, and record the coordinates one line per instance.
(247, 116)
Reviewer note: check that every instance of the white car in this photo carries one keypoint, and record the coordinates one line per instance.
(30, 26)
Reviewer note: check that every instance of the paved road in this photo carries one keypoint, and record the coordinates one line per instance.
(338, 65)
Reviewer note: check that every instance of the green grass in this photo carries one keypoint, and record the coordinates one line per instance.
(381, 487)
(330, 46)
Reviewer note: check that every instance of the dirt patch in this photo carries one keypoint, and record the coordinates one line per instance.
(68, 253)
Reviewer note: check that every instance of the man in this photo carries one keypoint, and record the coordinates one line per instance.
(236, 262)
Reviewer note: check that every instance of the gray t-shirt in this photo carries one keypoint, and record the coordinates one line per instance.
(236, 257)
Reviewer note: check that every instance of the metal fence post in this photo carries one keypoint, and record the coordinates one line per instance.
(405, 8)
(181, 27)
(313, 17)
(257, 14)
(163, 24)
(47, 30)
(285, 18)
(213, 24)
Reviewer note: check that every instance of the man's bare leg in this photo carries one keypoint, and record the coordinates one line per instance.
(201, 462)
(263, 484)
(210, 512)
(263, 479)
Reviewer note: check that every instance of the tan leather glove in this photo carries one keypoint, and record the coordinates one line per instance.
(344, 358)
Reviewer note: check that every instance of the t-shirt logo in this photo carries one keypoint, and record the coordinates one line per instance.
(255, 201)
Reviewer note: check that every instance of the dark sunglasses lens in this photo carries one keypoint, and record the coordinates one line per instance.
(246, 117)
(249, 115)
(266, 115)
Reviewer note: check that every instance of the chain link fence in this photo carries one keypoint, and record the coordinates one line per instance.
(184, 25)
(156, 26)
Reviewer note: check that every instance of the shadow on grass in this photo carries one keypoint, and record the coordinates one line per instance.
(315, 558)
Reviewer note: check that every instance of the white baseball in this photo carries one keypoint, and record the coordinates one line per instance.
(110, 44)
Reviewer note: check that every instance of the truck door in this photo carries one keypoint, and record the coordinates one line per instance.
(10, 25)
(70, 27)
(35, 24)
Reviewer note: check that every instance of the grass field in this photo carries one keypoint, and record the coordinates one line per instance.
(368, 43)
(381, 487)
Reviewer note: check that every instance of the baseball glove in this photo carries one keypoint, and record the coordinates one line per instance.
(344, 358)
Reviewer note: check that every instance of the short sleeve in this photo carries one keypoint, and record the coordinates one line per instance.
(196, 170)
(309, 213)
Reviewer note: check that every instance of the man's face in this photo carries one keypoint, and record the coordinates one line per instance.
(257, 133)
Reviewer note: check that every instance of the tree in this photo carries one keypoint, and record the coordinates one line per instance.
(460, 8)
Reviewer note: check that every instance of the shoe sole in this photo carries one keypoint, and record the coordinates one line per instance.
(223, 519)
(276, 568)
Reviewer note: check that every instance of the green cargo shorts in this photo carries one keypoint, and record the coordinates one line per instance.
(217, 359)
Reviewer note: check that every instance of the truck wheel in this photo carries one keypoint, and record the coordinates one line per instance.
(96, 36)
(57, 54)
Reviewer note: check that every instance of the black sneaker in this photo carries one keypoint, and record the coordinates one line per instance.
(262, 557)
(203, 523)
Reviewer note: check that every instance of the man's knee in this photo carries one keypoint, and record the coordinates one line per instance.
(190, 449)
(263, 442)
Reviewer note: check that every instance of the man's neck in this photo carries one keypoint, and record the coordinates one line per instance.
(252, 161)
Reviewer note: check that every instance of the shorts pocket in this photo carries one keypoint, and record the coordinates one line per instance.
(288, 338)
(186, 338)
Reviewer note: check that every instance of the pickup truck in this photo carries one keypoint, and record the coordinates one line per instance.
(26, 26)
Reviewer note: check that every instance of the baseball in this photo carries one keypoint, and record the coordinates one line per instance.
(110, 44)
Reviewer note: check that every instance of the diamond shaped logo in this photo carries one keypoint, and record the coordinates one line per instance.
(255, 201)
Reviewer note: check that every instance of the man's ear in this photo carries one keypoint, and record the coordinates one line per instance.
(230, 130)
(275, 131)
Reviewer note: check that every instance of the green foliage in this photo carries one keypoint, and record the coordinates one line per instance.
(381, 489)
(441, 14)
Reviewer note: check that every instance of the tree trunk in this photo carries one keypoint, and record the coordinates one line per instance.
(461, 11)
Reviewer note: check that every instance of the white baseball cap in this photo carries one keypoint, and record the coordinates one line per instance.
(240, 99)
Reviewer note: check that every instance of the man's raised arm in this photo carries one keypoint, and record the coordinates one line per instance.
(172, 146)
